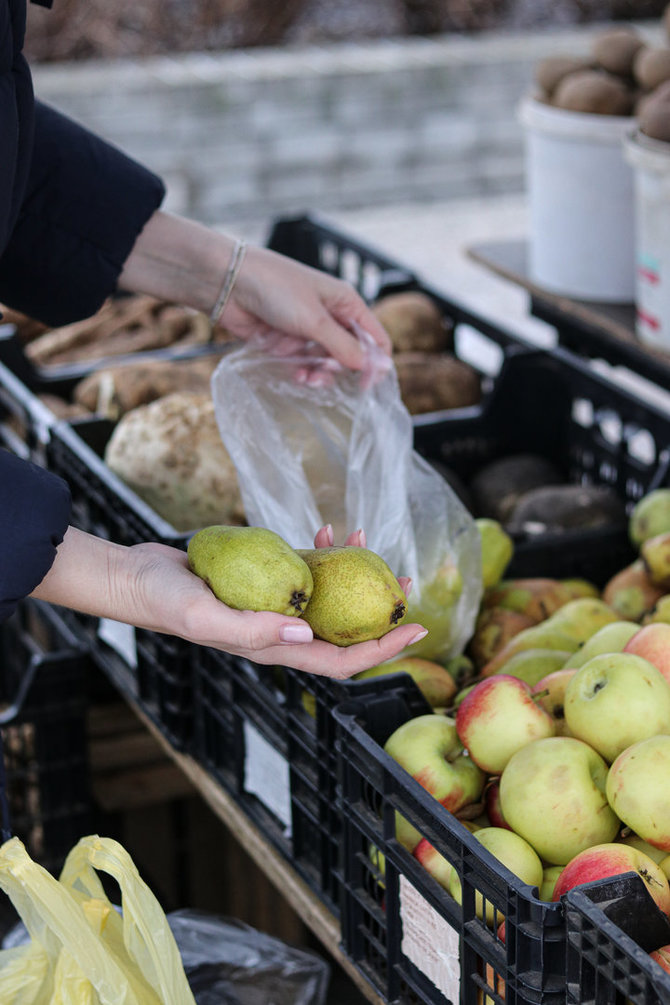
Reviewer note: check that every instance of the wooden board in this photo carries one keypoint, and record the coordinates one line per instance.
(589, 328)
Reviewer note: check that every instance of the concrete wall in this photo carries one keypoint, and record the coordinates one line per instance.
(248, 134)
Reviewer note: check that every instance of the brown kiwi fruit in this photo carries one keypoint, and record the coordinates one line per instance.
(550, 72)
(654, 113)
(594, 91)
(615, 50)
(651, 67)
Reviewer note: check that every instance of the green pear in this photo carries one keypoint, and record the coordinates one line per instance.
(581, 618)
(650, 516)
(608, 639)
(355, 598)
(531, 665)
(655, 553)
(659, 612)
(435, 683)
(497, 550)
(251, 569)
(578, 587)
(542, 636)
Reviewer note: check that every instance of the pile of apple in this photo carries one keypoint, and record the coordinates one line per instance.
(556, 754)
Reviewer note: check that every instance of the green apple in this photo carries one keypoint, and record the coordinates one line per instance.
(637, 789)
(429, 749)
(435, 683)
(552, 793)
(549, 878)
(614, 859)
(497, 718)
(615, 700)
(515, 853)
(609, 639)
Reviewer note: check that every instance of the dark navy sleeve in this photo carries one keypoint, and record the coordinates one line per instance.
(84, 205)
(34, 515)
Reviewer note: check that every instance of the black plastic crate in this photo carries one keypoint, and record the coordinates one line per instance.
(247, 716)
(44, 671)
(611, 930)
(398, 923)
(597, 433)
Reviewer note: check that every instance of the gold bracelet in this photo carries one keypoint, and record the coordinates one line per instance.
(228, 281)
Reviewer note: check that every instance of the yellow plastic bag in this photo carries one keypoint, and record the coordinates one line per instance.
(82, 951)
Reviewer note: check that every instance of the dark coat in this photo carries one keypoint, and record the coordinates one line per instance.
(71, 208)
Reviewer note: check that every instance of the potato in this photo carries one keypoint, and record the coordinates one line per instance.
(594, 91)
(615, 50)
(654, 113)
(550, 72)
(170, 453)
(433, 382)
(414, 322)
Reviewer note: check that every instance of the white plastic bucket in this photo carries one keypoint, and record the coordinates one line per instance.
(581, 203)
(651, 168)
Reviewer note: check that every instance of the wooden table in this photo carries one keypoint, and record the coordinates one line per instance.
(305, 903)
(589, 328)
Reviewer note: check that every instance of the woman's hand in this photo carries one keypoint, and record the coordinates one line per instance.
(277, 296)
(176, 259)
(151, 586)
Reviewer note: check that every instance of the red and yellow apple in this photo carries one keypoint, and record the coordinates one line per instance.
(652, 642)
(549, 693)
(614, 859)
(429, 749)
(497, 718)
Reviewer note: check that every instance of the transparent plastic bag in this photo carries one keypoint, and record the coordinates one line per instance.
(81, 950)
(229, 963)
(343, 454)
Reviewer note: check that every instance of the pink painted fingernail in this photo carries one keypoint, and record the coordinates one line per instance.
(418, 637)
(362, 539)
(295, 633)
(329, 533)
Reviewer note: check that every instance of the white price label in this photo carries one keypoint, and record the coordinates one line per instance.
(266, 775)
(430, 942)
(121, 638)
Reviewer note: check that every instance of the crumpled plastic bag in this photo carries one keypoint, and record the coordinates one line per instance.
(229, 963)
(81, 950)
(343, 454)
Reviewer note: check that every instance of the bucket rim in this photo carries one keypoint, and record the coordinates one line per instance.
(536, 115)
(646, 152)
